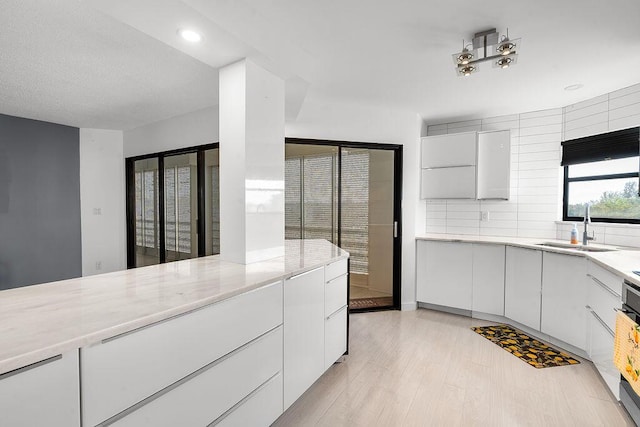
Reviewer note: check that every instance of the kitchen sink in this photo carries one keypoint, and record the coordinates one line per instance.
(581, 248)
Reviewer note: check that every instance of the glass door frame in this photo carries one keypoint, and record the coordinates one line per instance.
(397, 203)
(131, 200)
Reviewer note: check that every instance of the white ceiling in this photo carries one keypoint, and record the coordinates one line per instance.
(118, 63)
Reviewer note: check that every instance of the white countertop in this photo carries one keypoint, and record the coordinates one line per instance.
(41, 321)
(621, 261)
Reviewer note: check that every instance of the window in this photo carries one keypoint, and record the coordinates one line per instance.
(602, 171)
(173, 207)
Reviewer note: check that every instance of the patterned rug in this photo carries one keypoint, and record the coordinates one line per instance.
(361, 303)
(521, 345)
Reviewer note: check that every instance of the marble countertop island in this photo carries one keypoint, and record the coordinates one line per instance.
(619, 260)
(42, 321)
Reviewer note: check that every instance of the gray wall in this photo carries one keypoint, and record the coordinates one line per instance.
(39, 202)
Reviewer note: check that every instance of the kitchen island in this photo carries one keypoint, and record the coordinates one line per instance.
(120, 348)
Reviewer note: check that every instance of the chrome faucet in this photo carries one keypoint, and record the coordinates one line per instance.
(587, 221)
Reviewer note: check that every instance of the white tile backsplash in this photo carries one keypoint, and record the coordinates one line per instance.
(535, 206)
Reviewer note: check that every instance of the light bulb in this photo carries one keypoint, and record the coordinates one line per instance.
(190, 35)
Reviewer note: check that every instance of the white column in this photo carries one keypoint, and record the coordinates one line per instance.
(251, 163)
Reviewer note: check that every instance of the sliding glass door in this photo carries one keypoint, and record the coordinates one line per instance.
(173, 206)
(349, 194)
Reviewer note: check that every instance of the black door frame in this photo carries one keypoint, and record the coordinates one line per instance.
(131, 200)
(397, 203)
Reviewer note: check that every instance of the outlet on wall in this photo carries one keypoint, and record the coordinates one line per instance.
(97, 211)
(484, 216)
(98, 265)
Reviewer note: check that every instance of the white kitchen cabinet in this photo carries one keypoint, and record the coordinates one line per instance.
(207, 394)
(600, 350)
(523, 282)
(444, 273)
(564, 296)
(456, 149)
(304, 322)
(488, 278)
(335, 336)
(336, 312)
(46, 393)
(603, 298)
(470, 165)
(449, 183)
(494, 161)
(120, 372)
(261, 408)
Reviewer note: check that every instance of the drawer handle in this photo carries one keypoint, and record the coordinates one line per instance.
(30, 367)
(336, 278)
(603, 323)
(336, 312)
(602, 285)
(303, 273)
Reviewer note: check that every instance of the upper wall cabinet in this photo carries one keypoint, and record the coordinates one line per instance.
(469, 165)
(457, 149)
(494, 158)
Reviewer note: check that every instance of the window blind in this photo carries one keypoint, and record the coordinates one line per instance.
(606, 146)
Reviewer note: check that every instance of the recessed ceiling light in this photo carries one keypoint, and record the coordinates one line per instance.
(190, 35)
(574, 87)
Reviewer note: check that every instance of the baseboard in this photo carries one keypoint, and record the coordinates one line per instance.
(408, 306)
(452, 310)
(501, 319)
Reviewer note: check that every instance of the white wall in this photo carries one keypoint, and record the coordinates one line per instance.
(536, 180)
(102, 201)
(189, 130)
(327, 119)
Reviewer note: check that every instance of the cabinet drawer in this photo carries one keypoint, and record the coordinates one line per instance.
(205, 397)
(602, 301)
(42, 394)
(601, 343)
(335, 269)
(262, 408)
(335, 337)
(119, 373)
(605, 277)
(335, 294)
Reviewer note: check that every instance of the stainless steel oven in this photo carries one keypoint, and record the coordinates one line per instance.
(631, 307)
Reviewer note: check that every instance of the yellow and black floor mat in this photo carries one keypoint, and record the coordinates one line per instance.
(521, 345)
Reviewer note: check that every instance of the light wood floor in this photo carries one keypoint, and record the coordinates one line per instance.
(427, 368)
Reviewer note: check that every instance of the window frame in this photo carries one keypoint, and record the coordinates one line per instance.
(131, 202)
(565, 195)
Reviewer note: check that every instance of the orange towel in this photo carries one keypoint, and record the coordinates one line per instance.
(626, 349)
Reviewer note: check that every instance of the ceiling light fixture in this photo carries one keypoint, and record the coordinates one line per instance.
(190, 35)
(486, 46)
(574, 86)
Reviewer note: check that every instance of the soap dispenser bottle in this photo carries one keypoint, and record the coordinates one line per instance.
(574, 234)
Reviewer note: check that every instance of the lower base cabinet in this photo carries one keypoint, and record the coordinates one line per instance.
(304, 322)
(444, 273)
(564, 296)
(260, 408)
(335, 336)
(46, 393)
(600, 350)
(523, 286)
(488, 279)
(211, 391)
